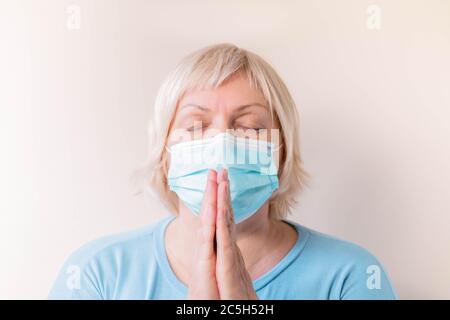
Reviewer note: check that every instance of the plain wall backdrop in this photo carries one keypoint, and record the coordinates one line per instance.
(371, 79)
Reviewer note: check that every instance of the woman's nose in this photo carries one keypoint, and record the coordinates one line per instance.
(221, 124)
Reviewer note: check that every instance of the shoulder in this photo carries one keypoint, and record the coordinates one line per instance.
(353, 271)
(84, 272)
(334, 249)
(116, 244)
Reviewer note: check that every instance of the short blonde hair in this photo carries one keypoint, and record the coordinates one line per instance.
(210, 67)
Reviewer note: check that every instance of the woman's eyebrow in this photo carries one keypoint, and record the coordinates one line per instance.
(239, 108)
(195, 106)
(253, 104)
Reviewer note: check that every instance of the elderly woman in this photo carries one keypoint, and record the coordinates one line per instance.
(225, 159)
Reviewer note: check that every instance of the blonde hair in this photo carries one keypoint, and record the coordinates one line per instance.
(210, 67)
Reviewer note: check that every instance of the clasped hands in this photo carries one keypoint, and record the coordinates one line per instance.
(219, 270)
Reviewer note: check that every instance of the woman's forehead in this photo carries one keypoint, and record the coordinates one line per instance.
(232, 94)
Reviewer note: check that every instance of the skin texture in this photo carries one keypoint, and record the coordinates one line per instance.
(214, 257)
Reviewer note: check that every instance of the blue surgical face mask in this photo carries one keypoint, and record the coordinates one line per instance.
(252, 171)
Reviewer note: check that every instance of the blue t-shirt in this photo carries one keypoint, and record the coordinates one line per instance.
(134, 265)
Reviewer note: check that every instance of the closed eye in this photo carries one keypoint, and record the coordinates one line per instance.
(250, 128)
(196, 128)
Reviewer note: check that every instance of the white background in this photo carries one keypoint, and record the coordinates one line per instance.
(374, 105)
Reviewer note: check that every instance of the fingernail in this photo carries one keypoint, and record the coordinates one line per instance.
(225, 174)
(212, 175)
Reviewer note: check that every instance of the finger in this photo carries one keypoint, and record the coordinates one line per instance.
(223, 226)
(230, 215)
(208, 213)
(222, 176)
